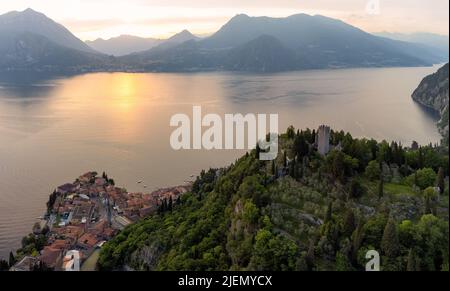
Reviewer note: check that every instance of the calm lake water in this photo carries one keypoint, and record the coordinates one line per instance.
(54, 129)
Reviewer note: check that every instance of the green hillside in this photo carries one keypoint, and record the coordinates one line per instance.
(301, 212)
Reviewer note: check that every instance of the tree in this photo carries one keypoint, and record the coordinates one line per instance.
(390, 242)
(310, 256)
(51, 200)
(341, 165)
(4, 265)
(290, 132)
(301, 147)
(349, 223)
(258, 150)
(357, 240)
(381, 188)
(329, 212)
(37, 228)
(411, 263)
(342, 263)
(427, 206)
(384, 153)
(430, 197)
(12, 259)
(45, 230)
(441, 180)
(423, 178)
(337, 166)
(251, 212)
(356, 189)
(273, 252)
(373, 171)
(169, 206)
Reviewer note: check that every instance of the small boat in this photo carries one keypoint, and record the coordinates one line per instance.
(139, 182)
(192, 176)
(145, 186)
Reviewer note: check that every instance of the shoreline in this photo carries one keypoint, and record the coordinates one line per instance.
(81, 216)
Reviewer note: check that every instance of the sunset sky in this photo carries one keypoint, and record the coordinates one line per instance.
(90, 19)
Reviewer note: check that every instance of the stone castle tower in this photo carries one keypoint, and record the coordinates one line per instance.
(323, 139)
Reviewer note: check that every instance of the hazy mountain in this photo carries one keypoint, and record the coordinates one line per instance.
(128, 44)
(176, 40)
(181, 37)
(310, 42)
(123, 45)
(263, 54)
(31, 41)
(329, 41)
(438, 41)
(30, 21)
(25, 51)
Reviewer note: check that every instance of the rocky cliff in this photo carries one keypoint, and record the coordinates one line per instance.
(433, 93)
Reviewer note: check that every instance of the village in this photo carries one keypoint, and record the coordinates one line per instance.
(83, 215)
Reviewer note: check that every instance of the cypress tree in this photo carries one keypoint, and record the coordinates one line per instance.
(389, 242)
(329, 213)
(258, 151)
(381, 188)
(428, 205)
(170, 204)
(12, 259)
(292, 169)
(411, 265)
(310, 256)
(441, 180)
(349, 223)
(420, 158)
(357, 240)
(313, 137)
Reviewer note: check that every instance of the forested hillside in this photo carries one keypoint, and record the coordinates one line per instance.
(301, 212)
(433, 93)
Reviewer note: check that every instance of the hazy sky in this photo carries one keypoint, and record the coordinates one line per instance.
(89, 19)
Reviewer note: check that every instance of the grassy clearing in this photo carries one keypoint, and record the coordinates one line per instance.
(396, 189)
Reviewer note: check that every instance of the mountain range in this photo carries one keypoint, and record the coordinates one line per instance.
(31, 41)
(437, 41)
(128, 44)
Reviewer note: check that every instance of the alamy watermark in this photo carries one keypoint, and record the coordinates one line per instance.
(373, 7)
(374, 261)
(231, 132)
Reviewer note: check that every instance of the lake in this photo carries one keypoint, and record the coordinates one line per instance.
(54, 129)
